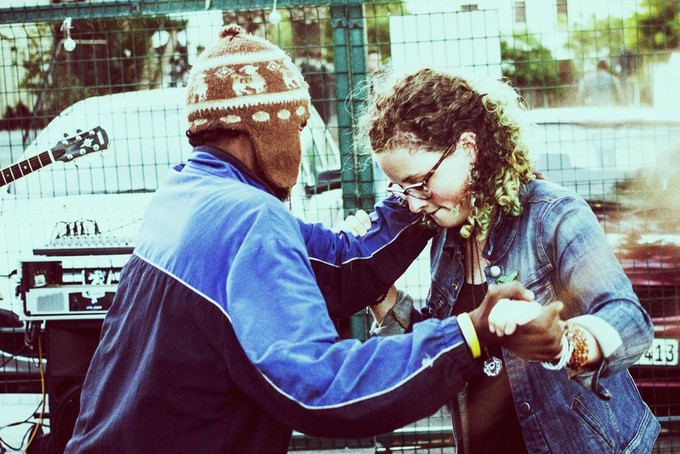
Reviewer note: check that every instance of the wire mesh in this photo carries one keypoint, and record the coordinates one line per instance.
(612, 136)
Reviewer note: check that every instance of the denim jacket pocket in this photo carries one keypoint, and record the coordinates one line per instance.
(540, 284)
(593, 423)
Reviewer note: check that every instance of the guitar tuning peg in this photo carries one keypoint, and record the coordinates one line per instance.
(65, 134)
(78, 131)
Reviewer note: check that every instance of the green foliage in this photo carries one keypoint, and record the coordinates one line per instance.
(531, 69)
(113, 55)
(528, 64)
(18, 117)
(377, 24)
(659, 25)
(603, 37)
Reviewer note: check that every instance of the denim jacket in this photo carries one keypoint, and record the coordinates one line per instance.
(559, 251)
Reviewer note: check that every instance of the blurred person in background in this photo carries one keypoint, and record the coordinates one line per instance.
(373, 63)
(601, 88)
(220, 340)
(454, 151)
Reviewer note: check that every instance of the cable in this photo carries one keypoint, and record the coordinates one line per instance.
(9, 357)
(26, 421)
(32, 330)
(9, 446)
(42, 407)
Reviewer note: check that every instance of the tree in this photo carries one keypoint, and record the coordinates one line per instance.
(531, 69)
(377, 24)
(606, 36)
(112, 55)
(659, 25)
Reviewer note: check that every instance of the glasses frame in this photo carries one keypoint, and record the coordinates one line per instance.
(403, 193)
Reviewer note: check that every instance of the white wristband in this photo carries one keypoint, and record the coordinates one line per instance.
(565, 355)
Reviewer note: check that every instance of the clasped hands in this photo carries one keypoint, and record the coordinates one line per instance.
(510, 317)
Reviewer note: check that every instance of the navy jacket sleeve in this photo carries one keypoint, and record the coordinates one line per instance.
(303, 373)
(353, 273)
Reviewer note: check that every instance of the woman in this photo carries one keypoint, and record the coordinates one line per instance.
(456, 154)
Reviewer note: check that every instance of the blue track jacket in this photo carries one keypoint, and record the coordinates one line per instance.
(220, 340)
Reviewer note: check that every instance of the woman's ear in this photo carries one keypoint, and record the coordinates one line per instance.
(468, 138)
(468, 141)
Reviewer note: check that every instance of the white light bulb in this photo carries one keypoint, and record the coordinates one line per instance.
(274, 17)
(69, 44)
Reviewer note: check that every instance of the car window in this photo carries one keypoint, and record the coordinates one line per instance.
(592, 157)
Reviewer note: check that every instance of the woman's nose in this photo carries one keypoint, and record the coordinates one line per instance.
(415, 204)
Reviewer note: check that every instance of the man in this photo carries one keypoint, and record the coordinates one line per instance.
(219, 339)
(601, 88)
(373, 62)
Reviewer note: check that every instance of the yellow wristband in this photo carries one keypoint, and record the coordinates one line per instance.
(469, 334)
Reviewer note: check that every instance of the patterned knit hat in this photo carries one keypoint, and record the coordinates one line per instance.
(247, 84)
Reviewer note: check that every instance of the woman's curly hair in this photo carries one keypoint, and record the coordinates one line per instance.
(430, 109)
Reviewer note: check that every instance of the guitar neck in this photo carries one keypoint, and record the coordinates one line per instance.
(23, 168)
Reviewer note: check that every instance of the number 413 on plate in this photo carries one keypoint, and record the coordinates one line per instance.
(663, 352)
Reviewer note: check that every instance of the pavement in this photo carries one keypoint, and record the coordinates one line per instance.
(18, 412)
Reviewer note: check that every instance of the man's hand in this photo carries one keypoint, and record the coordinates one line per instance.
(480, 316)
(538, 339)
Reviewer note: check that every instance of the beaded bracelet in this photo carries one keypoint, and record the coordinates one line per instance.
(579, 357)
(574, 354)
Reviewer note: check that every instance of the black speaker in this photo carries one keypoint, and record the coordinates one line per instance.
(70, 345)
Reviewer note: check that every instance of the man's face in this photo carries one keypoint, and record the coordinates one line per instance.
(373, 62)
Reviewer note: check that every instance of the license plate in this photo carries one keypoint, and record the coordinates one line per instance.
(663, 352)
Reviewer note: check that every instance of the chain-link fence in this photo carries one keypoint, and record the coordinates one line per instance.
(601, 81)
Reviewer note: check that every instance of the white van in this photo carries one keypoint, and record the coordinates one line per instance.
(64, 204)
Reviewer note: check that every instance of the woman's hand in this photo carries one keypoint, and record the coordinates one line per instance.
(507, 314)
(497, 294)
(538, 339)
(541, 338)
(357, 224)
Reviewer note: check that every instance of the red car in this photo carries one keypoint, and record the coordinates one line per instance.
(626, 163)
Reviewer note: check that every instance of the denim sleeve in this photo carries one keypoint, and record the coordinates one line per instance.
(398, 319)
(591, 281)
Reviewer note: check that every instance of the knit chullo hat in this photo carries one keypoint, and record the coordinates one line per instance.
(247, 84)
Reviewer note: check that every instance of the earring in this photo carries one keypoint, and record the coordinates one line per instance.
(473, 176)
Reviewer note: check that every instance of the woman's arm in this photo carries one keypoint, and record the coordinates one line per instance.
(599, 297)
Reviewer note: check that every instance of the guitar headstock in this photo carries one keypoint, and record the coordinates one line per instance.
(80, 144)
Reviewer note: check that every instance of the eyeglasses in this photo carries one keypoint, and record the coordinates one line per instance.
(419, 190)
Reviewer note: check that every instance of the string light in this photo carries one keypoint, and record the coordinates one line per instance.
(274, 16)
(69, 43)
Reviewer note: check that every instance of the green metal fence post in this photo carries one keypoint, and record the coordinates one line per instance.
(349, 37)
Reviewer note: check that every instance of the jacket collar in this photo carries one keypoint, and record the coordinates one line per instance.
(227, 157)
(504, 230)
